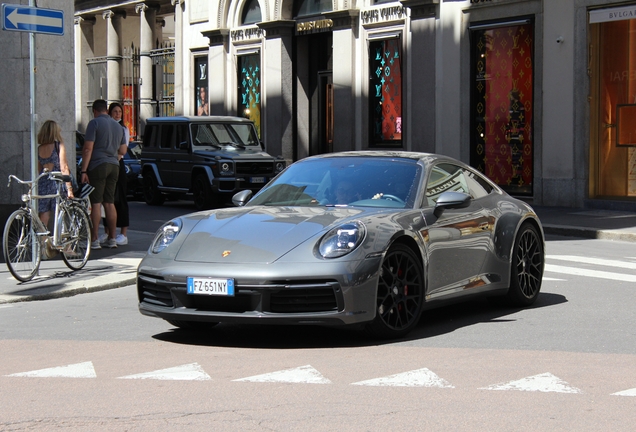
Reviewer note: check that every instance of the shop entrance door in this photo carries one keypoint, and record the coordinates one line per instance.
(613, 96)
(325, 111)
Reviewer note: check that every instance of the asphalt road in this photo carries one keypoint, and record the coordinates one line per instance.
(92, 362)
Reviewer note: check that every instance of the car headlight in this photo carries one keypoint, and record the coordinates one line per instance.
(279, 167)
(166, 235)
(342, 240)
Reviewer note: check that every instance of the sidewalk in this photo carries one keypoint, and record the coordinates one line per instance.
(114, 268)
(106, 269)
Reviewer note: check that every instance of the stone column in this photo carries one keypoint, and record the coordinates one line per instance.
(178, 56)
(113, 54)
(84, 49)
(346, 134)
(277, 121)
(217, 62)
(147, 17)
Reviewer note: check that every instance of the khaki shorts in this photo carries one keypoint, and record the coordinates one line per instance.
(104, 179)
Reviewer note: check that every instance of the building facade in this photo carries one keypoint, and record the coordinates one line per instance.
(540, 95)
(52, 95)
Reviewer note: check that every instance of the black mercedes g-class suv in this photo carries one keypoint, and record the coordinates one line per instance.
(203, 158)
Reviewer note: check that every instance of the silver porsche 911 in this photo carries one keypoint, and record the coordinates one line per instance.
(369, 238)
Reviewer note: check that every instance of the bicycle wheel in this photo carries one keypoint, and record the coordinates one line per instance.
(21, 246)
(75, 237)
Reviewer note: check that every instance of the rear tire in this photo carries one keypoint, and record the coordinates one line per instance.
(527, 264)
(400, 294)
(152, 194)
(76, 226)
(21, 246)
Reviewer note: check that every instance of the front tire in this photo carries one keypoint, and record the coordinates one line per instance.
(76, 237)
(400, 294)
(527, 265)
(202, 193)
(21, 246)
(152, 194)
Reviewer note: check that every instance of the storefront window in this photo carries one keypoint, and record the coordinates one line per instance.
(201, 98)
(311, 7)
(385, 92)
(613, 119)
(251, 12)
(502, 105)
(249, 89)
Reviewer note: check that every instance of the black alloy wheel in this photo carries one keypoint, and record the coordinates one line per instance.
(400, 293)
(526, 272)
(152, 194)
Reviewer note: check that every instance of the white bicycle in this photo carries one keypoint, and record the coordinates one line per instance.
(25, 235)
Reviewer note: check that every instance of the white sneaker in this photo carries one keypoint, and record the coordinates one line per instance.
(103, 238)
(110, 244)
(95, 245)
(121, 240)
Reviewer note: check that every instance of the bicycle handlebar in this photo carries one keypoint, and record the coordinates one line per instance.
(53, 175)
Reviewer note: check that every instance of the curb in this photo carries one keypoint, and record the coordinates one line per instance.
(68, 292)
(590, 233)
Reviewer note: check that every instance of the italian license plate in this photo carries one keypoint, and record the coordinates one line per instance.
(257, 180)
(211, 286)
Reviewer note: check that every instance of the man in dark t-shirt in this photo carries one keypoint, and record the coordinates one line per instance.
(103, 141)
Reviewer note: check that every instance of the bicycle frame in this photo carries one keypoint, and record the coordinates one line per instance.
(60, 204)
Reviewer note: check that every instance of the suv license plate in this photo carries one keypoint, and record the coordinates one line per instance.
(211, 286)
(257, 180)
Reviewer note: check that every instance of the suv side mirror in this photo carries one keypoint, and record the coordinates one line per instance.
(451, 200)
(241, 198)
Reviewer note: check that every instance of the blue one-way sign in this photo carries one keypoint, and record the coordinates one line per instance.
(32, 19)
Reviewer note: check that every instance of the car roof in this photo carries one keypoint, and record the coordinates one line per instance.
(198, 119)
(426, 158)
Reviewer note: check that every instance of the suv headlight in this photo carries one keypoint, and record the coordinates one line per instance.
(226, 168)
(278, 167)
(166, 235)
(342, 240)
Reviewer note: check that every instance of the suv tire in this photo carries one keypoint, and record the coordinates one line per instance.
(152, 194)
(202, 193)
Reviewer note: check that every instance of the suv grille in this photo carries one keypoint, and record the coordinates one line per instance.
(254, 168)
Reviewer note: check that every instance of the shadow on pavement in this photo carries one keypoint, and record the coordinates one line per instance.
(434, 322)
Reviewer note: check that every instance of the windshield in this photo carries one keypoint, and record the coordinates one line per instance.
(219, 134)
(344, 181)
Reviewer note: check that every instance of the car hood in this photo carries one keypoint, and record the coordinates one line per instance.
(230, 152)
(256, 234)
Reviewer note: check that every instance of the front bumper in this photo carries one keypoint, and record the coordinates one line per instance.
(327, 293)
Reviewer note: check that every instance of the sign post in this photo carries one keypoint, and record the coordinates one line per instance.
(33, 20)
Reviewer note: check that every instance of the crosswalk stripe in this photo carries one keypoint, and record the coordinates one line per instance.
(416, 378)
(596, 261)
(545, 382)
(301, 375)
(630, 392)
(188, 372)
(79, 370)
(590, 273)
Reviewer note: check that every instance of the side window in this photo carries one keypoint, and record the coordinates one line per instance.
(478, 186)
(151, 134)
(182, 136)
(167, 136)
(444, 178)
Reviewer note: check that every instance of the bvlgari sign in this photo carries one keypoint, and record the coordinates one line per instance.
(613, 14)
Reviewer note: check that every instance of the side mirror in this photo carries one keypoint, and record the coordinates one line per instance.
(241, 198)
(451, 200)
